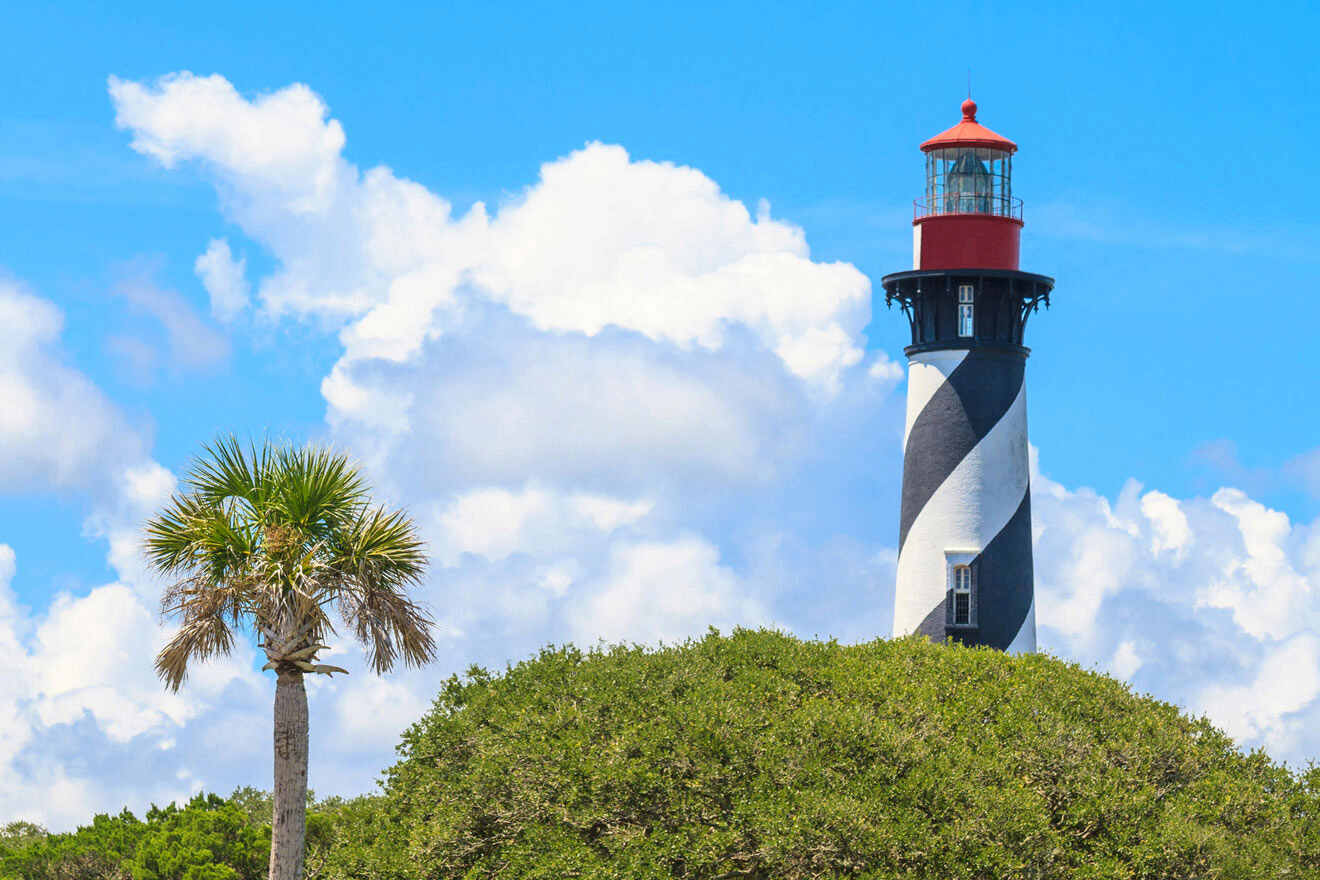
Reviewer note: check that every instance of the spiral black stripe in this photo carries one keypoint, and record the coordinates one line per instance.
(1004, 582)
(1005, 578)
(958, 415)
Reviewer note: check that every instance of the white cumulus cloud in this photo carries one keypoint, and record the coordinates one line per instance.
(1270, 707)
(494, 522)
(665, 591)
(80, 695)
(600, 240)
(1212, 603)
(56, 427)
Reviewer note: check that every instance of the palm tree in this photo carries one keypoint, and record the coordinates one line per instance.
(269, 538)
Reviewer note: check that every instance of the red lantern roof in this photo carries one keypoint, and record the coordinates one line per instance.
(969, 133)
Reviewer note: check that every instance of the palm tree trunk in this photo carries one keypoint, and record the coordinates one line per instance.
(288, 827)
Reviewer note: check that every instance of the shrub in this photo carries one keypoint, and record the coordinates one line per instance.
(762, 756)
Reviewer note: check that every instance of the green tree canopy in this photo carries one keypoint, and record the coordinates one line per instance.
(762, 756)
(209, 838)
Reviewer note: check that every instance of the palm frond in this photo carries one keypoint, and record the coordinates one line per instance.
(384, 542)
(191, 536)
(227, 470)
(275, 535)
(171, 536)
(317, 489)
(389, 625)
(201, 596)
(379, 556)
(201, 637)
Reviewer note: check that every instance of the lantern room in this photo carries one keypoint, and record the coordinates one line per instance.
(968, 217)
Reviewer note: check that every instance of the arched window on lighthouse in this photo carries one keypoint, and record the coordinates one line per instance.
(966, 310)
(962, 595)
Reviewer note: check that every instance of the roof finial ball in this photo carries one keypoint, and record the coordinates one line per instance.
(969, 110)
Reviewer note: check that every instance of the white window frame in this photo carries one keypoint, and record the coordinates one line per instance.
(962, 586)
(966, 310)
(954, 560)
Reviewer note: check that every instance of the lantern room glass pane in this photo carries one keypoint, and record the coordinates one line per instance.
(969, 180)
(967, 185)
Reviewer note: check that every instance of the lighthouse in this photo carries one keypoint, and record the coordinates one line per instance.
(964, 542)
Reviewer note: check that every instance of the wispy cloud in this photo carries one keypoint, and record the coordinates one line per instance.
(190, 342)
(1220, 458)
(81, 163)
(1097, 219)
(1304, 469)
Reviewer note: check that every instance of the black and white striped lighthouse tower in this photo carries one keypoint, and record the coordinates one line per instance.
(964, 544)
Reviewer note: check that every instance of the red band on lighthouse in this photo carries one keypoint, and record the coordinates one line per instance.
(965, 241)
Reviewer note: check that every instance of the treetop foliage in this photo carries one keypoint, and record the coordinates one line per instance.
(209, 838)
(761, 756)
(274, 535)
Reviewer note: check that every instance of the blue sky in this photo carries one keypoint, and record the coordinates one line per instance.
(572, 456)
